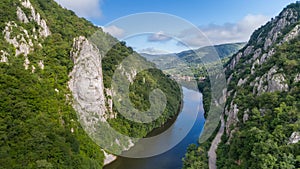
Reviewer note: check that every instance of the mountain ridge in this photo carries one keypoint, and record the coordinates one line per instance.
(262, 111)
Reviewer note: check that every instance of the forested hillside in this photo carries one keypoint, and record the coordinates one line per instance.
(39, 126)
(262, 109)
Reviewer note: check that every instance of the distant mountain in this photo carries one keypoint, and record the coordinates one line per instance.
(182, 63)
(223, 50)
(193, 56)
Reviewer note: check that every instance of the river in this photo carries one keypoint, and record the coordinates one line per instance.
(190, 120)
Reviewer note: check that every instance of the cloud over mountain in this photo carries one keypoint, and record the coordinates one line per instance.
(83, 8)
(226, 33)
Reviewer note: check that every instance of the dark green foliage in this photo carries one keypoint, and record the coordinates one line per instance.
(39, 128)
(143, 84)
(36, 121)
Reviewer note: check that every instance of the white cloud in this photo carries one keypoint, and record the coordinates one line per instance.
(83, 8)
(153, 51)
(226, 33)
(114, 31)
(159, 37)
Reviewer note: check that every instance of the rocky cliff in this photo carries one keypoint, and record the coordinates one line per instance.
(261, 79)
(260, 49)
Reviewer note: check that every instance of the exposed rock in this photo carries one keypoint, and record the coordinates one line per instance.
(291, 35)
(266, 56)
(235, 60)
(26, 63)
(32, 68)
(277, 83)
(232, 118)
(248, 50)
(242, 81)
(41, 64)
(21, 15)
(86, 82)
(256, 54)
(253, 66)
(130, 75)
(229, 79)
(4, 55)
(288, 17)
(109, 93)
(297, 78)
(45, 30)
(108, 158)
(35, 16)
(245, 117)
(271, 82)
(295, 138)
(22, 45)
(268, 43)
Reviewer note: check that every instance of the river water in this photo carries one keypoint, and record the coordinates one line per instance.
(190, 120)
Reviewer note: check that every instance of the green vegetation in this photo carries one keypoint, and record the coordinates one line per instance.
(36, 121)
(143, 84)
(263, 140)
(39, 128)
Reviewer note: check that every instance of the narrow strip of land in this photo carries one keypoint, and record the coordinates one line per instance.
(212, 156)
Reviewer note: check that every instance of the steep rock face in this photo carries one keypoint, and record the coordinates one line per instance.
(86, 81)
(86, 85)
(35, 17)
(263, 97)
(255, 54)
(270, 82)
(266, 38)
(4, 55)
(295, 138)
(23, 39)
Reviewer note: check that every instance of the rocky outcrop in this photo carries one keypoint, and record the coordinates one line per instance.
(232, 117)
(3, 55)
(295, 138)
(86, 82)
(24, 39)
(291, 35)
(265, 56)
(286, 18)
(108, 158)
(260, 48)
(35, 17)
(21, 15)
(297, 78)
(86, 85)
(242, 81)
(270, 82)
(41, 64)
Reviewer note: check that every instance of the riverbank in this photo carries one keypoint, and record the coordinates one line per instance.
(183, 129)
(110, 158)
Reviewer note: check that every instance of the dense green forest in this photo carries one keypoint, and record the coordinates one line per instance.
(143, 84)
(39, 127)
(36, 121)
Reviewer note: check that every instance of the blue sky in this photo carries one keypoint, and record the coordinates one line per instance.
(224, 21)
